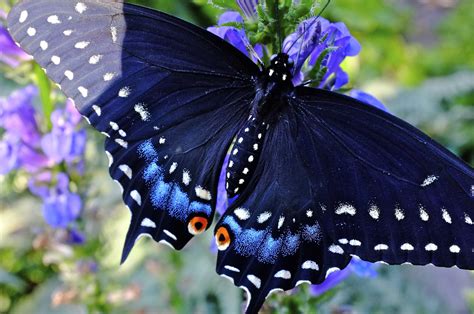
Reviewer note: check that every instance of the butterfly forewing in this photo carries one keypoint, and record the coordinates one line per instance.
(169, 97)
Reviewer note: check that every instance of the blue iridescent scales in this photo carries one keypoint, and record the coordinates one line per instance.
(324, 179)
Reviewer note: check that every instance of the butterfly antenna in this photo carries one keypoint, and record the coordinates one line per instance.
(310, 25)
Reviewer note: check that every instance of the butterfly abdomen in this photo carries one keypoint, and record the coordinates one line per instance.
(244, 155)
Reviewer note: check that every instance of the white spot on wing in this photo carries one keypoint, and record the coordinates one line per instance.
(186, 177)
(68, 32)
(346, 209)
(454, 249)
(69, 75)
(245, 171)
(468, 219)
(242, 213)
(250, 158)
(232, 268)
(343, 241)
(97, 110)
(80, 7)
(381, 247)
(281, 220)
(82, 45)
(431, 247)
(446, 216)
(113, 32)
(173, 167)
(430, 179)
(309, 213)
(56, 60)
(147, 222)
(53, 19)
(121, 142)
(31, 31)
(126, 170)
(407, 247)
(263, 217)
(336, 249)
(108, 76)
(423, 214)
(44, 45)
(285, 274)
(169, 234)
(84, 91)
(114, 125)
(167, 244)
(136, 197)
(399, 214)
(310, 265)
(141, 110)
(23, 16)
(203, 193)
(254, 280)
(354, 242)
(162, 140)
(374, 212)
(95, 59)
(124, 92)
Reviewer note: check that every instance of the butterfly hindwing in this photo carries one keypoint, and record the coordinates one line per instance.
(168, 95)
(272, 238)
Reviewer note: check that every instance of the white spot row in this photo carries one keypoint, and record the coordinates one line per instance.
(126, 170)
(186, 177)
(264, 217)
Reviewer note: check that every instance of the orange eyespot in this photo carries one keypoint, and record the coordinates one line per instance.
(222, 238)
(197, 225)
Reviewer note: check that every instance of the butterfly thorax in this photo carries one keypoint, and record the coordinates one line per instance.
(270, 98)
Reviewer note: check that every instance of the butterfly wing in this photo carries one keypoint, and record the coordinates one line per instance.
(168, 95)
(334, 179)
(393, 194)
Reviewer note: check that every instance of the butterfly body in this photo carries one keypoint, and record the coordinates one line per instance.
(325, 177)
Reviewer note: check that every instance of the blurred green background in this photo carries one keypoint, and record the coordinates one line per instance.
(417, 57)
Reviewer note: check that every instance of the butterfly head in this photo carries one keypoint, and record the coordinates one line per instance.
(280, 69)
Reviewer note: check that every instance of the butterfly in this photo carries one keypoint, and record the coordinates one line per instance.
(320, 177)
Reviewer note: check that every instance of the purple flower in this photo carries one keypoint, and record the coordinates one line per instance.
(10, 53)
(17, 115)
(312, 39)
(356, 266)
(9, 154)
(64, 142)
(19, 145)
(368, 99)
(233, 35)
(60, 206)
(248, 7)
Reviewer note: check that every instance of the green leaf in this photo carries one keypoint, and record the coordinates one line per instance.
(44, 87)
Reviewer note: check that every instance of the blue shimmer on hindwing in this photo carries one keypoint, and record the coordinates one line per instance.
(167, 195)
(264, 246)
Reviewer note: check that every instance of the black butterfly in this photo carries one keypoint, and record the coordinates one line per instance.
(321, 177)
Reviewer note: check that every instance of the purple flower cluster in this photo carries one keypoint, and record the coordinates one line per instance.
(9, 51)
(316, 43)
(23, 146)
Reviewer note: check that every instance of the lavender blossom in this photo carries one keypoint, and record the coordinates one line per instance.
(64, 142)
(10, 53)
(248, 7)
(233, 35)
(60, 205)
(312, 39)
(19, 146)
